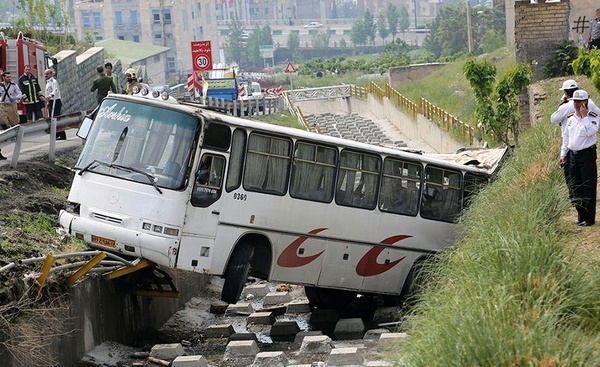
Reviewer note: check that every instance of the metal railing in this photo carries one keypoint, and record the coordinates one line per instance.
(18, 133)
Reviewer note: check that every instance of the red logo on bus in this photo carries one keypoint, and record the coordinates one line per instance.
(368, 265)
(289, 258)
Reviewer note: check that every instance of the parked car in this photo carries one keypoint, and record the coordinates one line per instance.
(313, 25)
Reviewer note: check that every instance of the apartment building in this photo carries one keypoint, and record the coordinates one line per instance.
(167, 23)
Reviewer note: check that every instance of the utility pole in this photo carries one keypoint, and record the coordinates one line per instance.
(415, 4)
(469, 28)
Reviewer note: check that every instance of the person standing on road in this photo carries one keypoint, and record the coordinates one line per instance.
(32, 95)
(560, 116)
(53, 99)
(579, 145)
(102, 85)
(10, 95)
(108, 68)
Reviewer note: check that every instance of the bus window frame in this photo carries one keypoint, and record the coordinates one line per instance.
(418, 184)
(341, 202)
(335, 149)
(286, 179)
(236, 165)
(440, 196)
(219, 189)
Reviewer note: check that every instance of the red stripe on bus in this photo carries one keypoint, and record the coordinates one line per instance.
(368, 265)
(289, 256)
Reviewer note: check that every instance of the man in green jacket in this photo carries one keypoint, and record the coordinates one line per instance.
(102, 85)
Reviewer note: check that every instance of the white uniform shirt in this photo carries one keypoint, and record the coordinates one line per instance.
(10, 93)
(566, 109)
(579, 133)
(52, 89)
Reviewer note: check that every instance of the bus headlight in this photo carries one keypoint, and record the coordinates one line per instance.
(72, 208)
(169, 231)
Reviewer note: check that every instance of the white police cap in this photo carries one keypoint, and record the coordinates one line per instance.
(580, 95)
(569, 84)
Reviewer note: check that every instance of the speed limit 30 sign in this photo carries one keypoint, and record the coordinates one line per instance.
(201, 55)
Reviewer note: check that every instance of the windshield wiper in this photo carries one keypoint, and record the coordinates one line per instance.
(150, 178)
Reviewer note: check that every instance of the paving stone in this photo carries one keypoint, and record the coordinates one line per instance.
(270, 359)
(189, 361)
(300, 336)
(317, 344)
(261, 318)
(352, 328)
(243, 336)
(374, 334)
(301, 365)
(218, 309)
(349, 356)
(257, 290)
(284, 330)
(167, 351)
(241, 349)
(275, 298)
(386, 340)
(298, 306)
(239, 309)
(219, 331)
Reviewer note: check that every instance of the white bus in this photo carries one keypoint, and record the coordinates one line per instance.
(193, 189)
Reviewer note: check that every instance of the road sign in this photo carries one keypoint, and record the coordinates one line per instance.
(289, 69)
(201, 55)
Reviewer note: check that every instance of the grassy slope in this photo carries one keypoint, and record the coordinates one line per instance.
(522, 288)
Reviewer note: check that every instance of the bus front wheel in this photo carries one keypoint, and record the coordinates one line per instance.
(237, 273)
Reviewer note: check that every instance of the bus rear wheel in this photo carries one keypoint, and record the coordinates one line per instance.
(237, 273)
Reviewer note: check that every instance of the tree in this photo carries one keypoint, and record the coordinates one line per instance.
(382, 27)
(588, 64)
(253, 47)
(370, 27)
(233, 48)
(321, 39)
(293, 41)
(482, 78)
(392, 16)
(404, 20)
(358, 36)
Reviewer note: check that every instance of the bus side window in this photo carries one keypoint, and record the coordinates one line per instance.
(208, 180)
(236, 160)
(358, 180)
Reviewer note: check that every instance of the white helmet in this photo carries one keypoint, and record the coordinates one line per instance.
(580, 95)
(569, 84)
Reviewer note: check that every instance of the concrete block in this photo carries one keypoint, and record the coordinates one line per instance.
(324, 316)
(241, 349)
(239, 309)
(298, 306)
(243, 336)
(353, 328)
(270, 359)
(349, 356)
(386, 340)
(386, 314)
(219, 331)
(378, 364)
(284, 330)
(167, 351)
(275, 298)
(189, 361)
(261, 318)
(317, 344)
(301, 365)
(300, 336)
(256, 290)
(374, 334)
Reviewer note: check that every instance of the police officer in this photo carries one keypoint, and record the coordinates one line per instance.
(579, 152)
(565, 109)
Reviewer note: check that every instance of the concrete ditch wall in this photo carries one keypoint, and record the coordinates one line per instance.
(102, 310)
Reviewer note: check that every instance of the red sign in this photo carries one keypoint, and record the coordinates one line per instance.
(201, 55)
(289, 68)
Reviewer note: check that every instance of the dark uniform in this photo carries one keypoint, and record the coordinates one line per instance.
(579, 152)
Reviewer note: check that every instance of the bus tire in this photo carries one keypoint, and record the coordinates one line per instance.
(413, 285)
(237, 272)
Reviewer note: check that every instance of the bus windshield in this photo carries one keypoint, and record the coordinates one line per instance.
(141, 143)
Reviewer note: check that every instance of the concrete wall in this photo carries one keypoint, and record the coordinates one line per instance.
(407, 74)
(102, 310)
(421, 130)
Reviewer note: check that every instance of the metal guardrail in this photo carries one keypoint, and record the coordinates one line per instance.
(18, 133)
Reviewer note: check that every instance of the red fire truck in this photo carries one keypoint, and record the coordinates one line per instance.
(16, 52)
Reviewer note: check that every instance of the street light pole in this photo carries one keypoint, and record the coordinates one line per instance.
(469, 28)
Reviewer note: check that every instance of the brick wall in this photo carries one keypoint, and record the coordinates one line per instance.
(538, 27)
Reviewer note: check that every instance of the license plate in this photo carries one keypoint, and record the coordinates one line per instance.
(103, 241)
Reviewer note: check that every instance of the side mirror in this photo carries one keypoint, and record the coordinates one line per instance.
(85, 127)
